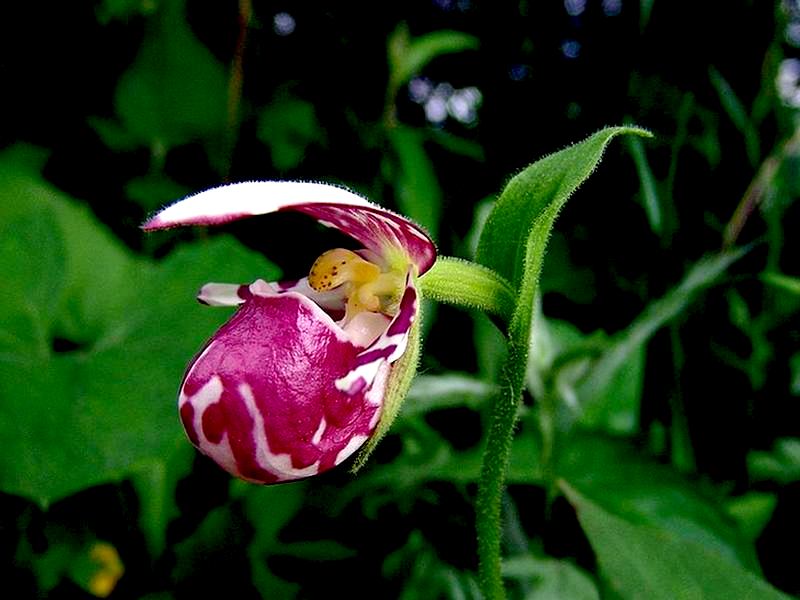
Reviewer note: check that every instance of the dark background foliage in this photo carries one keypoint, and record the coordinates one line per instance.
(122, 106)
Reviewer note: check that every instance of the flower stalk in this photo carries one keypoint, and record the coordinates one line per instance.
(469, 285)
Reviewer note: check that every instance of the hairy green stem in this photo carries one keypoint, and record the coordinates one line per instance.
(492, 479)
(468, 284)
(471, 285)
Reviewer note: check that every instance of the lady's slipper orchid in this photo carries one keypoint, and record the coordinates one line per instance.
(294, 382)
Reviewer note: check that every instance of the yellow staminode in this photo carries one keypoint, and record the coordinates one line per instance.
(368, 287)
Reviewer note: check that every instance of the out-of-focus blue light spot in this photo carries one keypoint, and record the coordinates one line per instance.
(793, 33)
(463, 105)
(442, 100)
(787, 82)
(575, 8)
(571, 48)
(283, 24)
(436, 109)
(611, 8)
(448, 5)
(518, 72)
(420, 89)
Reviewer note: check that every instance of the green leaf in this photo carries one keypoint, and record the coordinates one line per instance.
(176, 91)
(649, 193)
(450, 390)
(104, 409)
(550, 579)
(109, 10)
(752, 512)
(97, 267)
(288, 126)
(156, 481)
(408, 56)
(154, 190)
(515, 235)
(513, 243)
(417, 190)
(643, 561)
(32, 258)
(268, 510)
(611, 392)
(558, 357)
(782, 464)
(615, 476)
(738, 115)
(786, 283)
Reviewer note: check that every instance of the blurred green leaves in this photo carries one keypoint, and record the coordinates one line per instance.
(549, 579)
(610, 394)
(174, 92)
(513, 243)
(782, 464)
(93, 344)
(417, 191)
(94, 337)
(408, 55)
(517, 230)
(288, 126)
(642, 561)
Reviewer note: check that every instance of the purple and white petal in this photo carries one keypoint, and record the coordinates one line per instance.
(260, 398)
(223, 294)
(234, 294)
(376, 228)
(388, 348)
(332, 300)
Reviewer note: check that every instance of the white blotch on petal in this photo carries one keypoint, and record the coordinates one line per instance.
(209, 394)
(323, 425)
(279, 464)
(366, 327)
(261, 288)
(220, 294)
(354, 444)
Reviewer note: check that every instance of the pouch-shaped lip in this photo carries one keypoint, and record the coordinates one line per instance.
(281, 392)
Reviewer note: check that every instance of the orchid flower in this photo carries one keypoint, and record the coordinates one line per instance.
(295, 382)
